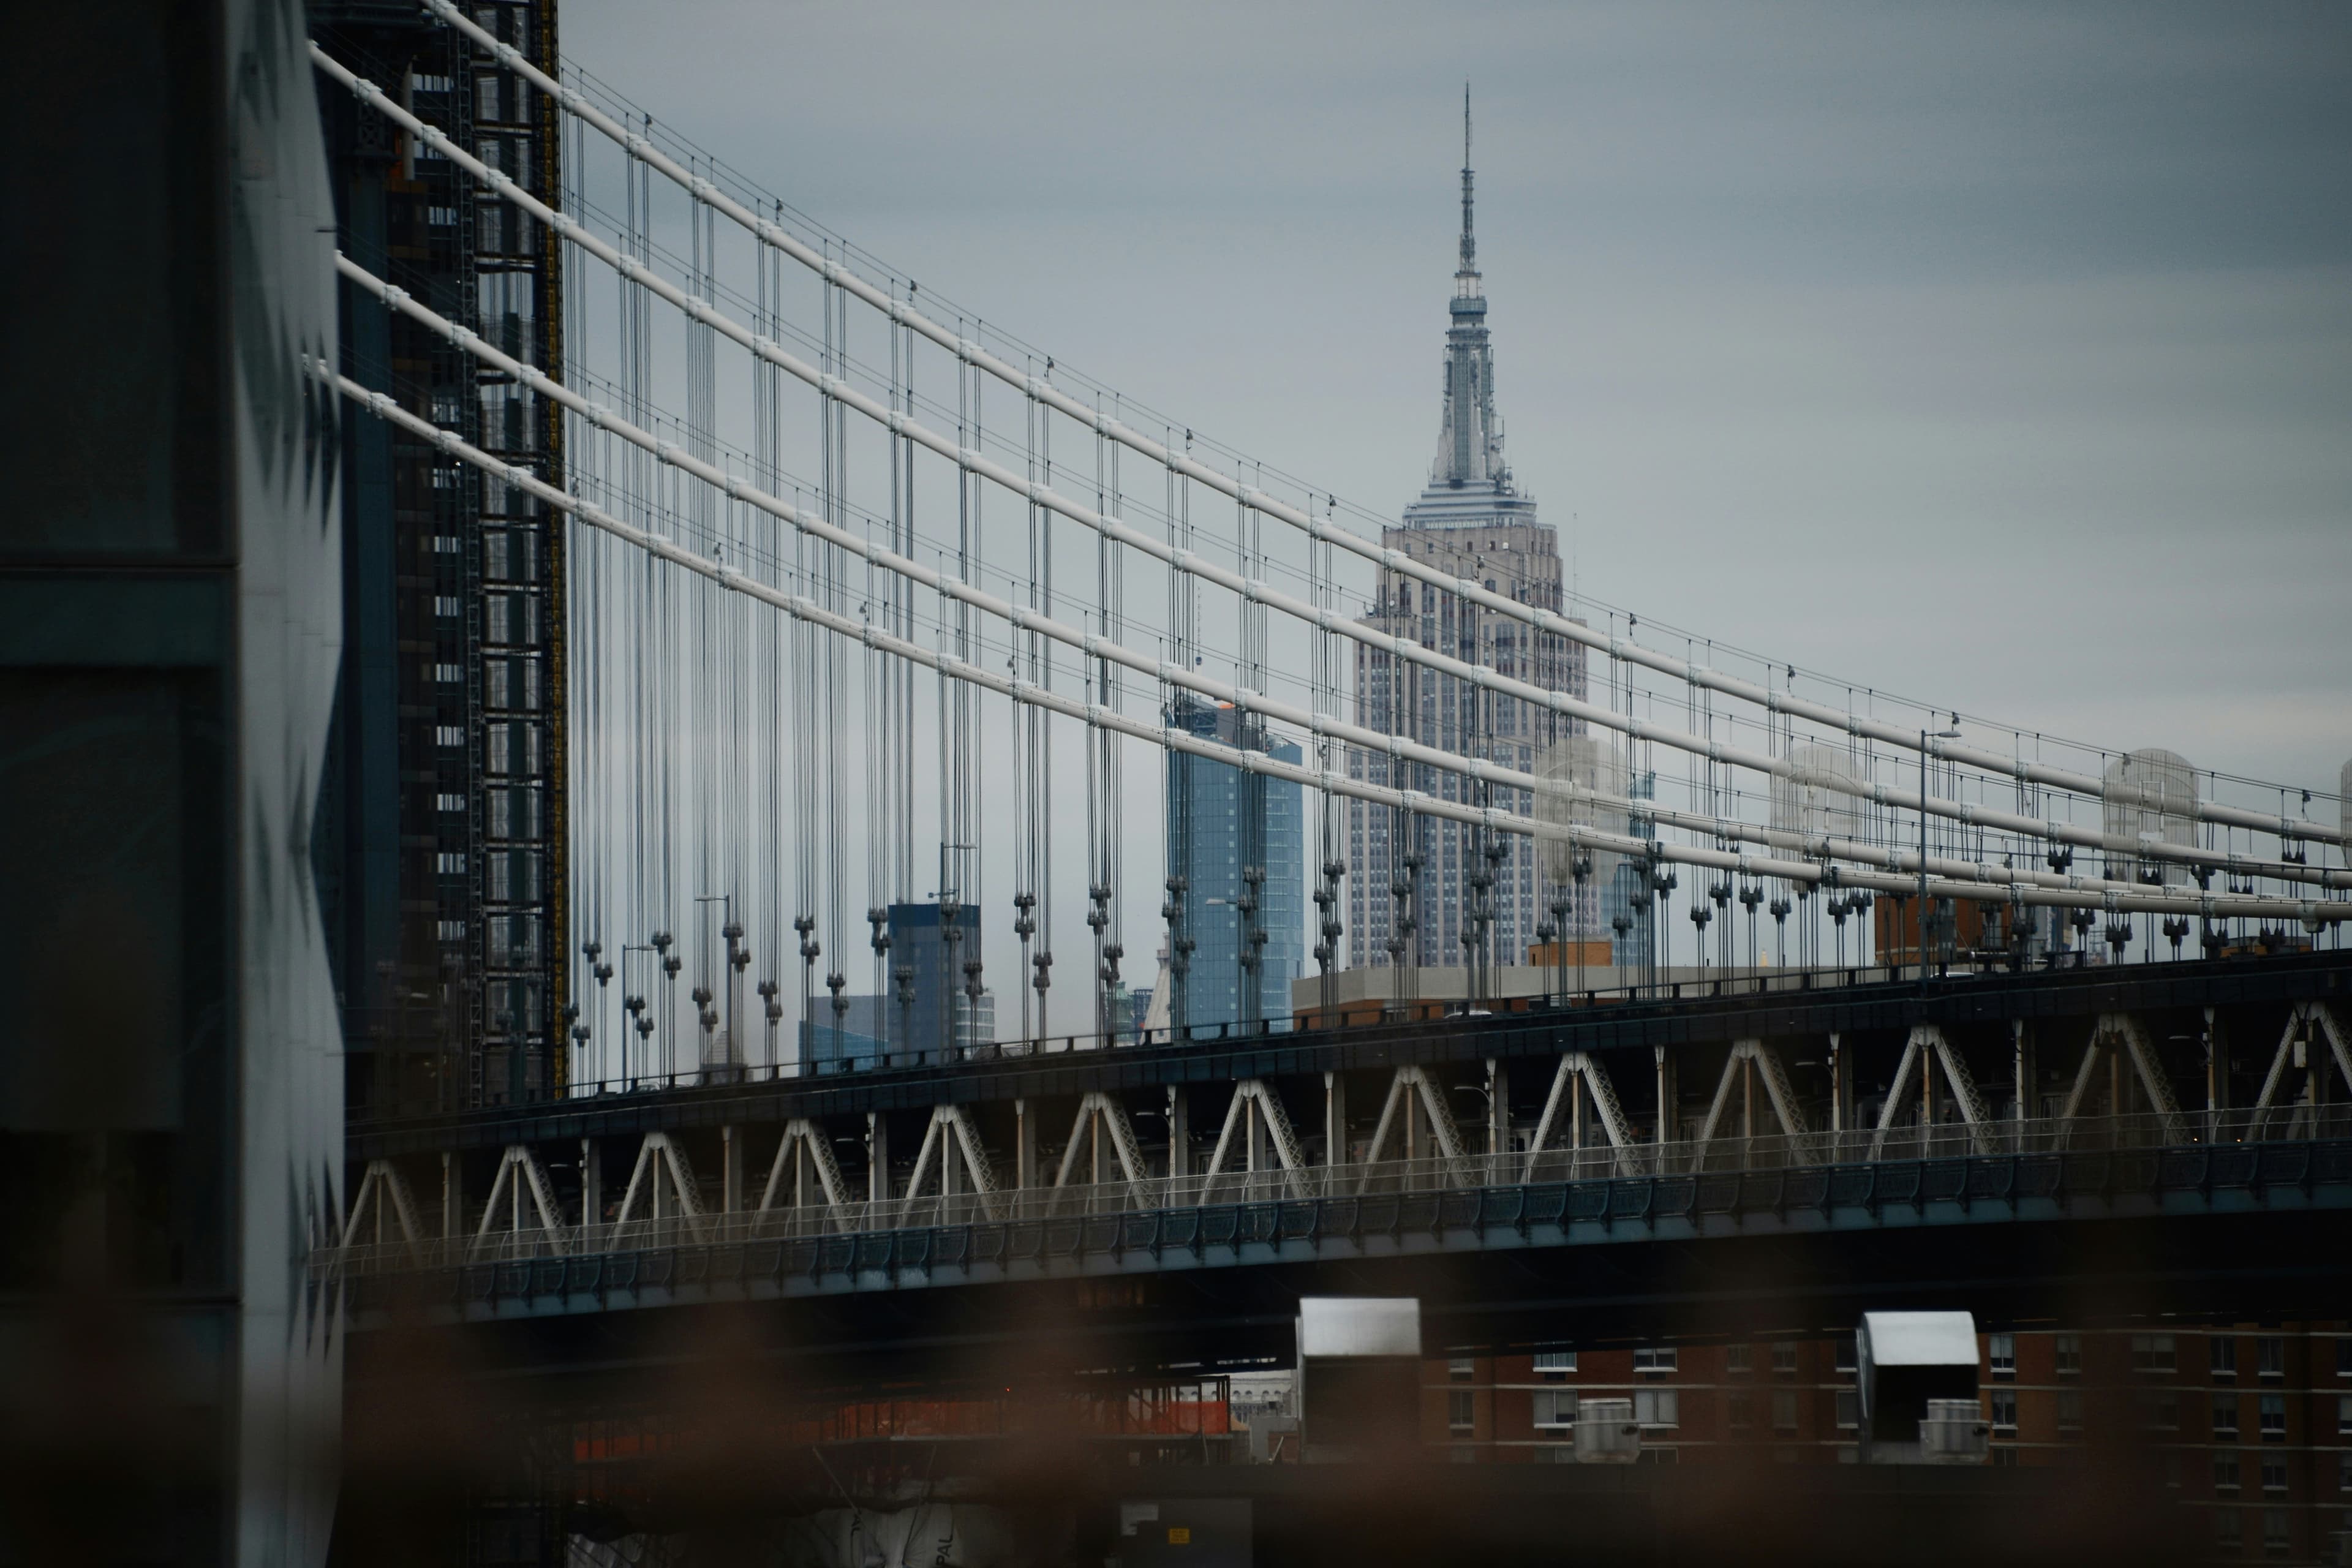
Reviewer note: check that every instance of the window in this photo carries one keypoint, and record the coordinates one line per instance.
(2344, 1358)
(1461, 1410)
(2229, 1529)
(2344, 1471)
(496, 692)
(2272, 1350)
(449, 803)
(2344, 1414)
(1555, 1408)
(1739, 1410)
(1656, 1408)
(2004, 1411)
(450, 674)
(1556, 1364)
(1736, 1358)
(447, 543)
(449, 735)
(1846, 1354)
(2274, 1474)
(2160, 1412)
(1849, 1408)
(1462, 1369)
(1784, 1357)
(500, 885)
(2070, 1354)
(1655, 1358)
(2273, 1418)
(453, 931)
(450, 864)
(2275, 1532)
(2070, 1411)
(2152, 1352)
(1660, 1455)
(447, 606)
(2223, 1350)
(2225, 1475)
(500, 748)
(2225, 1417)
(2000, 1354)
(1784, 1410)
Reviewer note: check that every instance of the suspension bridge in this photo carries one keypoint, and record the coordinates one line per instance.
(867, 606)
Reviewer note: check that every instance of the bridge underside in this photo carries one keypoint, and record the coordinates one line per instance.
(2191, 1231)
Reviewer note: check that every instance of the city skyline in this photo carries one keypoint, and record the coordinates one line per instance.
(1766, 310)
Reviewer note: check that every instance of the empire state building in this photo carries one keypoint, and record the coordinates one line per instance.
(1421, 891)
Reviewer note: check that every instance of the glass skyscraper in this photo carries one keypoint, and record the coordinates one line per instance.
(1224, 822)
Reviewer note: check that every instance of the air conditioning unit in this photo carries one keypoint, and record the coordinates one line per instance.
(1606, 1432)
(1955, 1433)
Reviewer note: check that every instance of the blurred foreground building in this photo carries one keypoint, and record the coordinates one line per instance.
(2249, 1425)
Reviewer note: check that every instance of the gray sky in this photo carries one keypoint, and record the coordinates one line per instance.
(1809, 319)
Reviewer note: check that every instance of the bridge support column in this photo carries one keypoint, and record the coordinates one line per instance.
(2217, 1069)
(2020, 1074)
(1180, 1132)
(1498, 1114)
(591, 1186)
(878, 1158)
(1024, 1145)
(1841, 1085)
(1666, 1065)
(453, 1196)
(1575, 1115)
(1335, 1118)
(731, 1170)
(1927, 1077)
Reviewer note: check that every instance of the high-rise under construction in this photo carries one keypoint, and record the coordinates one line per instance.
(441, 835)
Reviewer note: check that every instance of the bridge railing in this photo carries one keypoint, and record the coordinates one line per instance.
(1468, 1173)
(1696, 983)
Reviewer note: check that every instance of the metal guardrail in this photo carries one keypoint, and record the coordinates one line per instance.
(2236, 1140)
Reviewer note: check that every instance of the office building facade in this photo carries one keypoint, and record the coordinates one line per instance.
(1237, 840)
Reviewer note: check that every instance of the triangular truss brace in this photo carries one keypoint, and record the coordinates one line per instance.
(804, 1149)
(383, 1190)
(950, 1138)
(1413, 1084)
(662, 1173)
(2309, 1022)
(1611, 1115)
(1928, 1040)
(1100, 1117)
(522, 1190)
(1775, 1090)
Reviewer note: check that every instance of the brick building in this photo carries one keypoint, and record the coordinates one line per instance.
(2251, 1425)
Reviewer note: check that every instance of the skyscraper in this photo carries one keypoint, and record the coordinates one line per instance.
(441, 821)
(1416, 884)
(1236, 839)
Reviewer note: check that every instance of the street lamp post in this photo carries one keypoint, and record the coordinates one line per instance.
(1924, 735)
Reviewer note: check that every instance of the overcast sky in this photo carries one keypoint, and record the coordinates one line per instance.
(1997, 356)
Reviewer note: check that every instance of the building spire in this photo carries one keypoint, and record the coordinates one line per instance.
(1470, 440)
(1469, 268)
